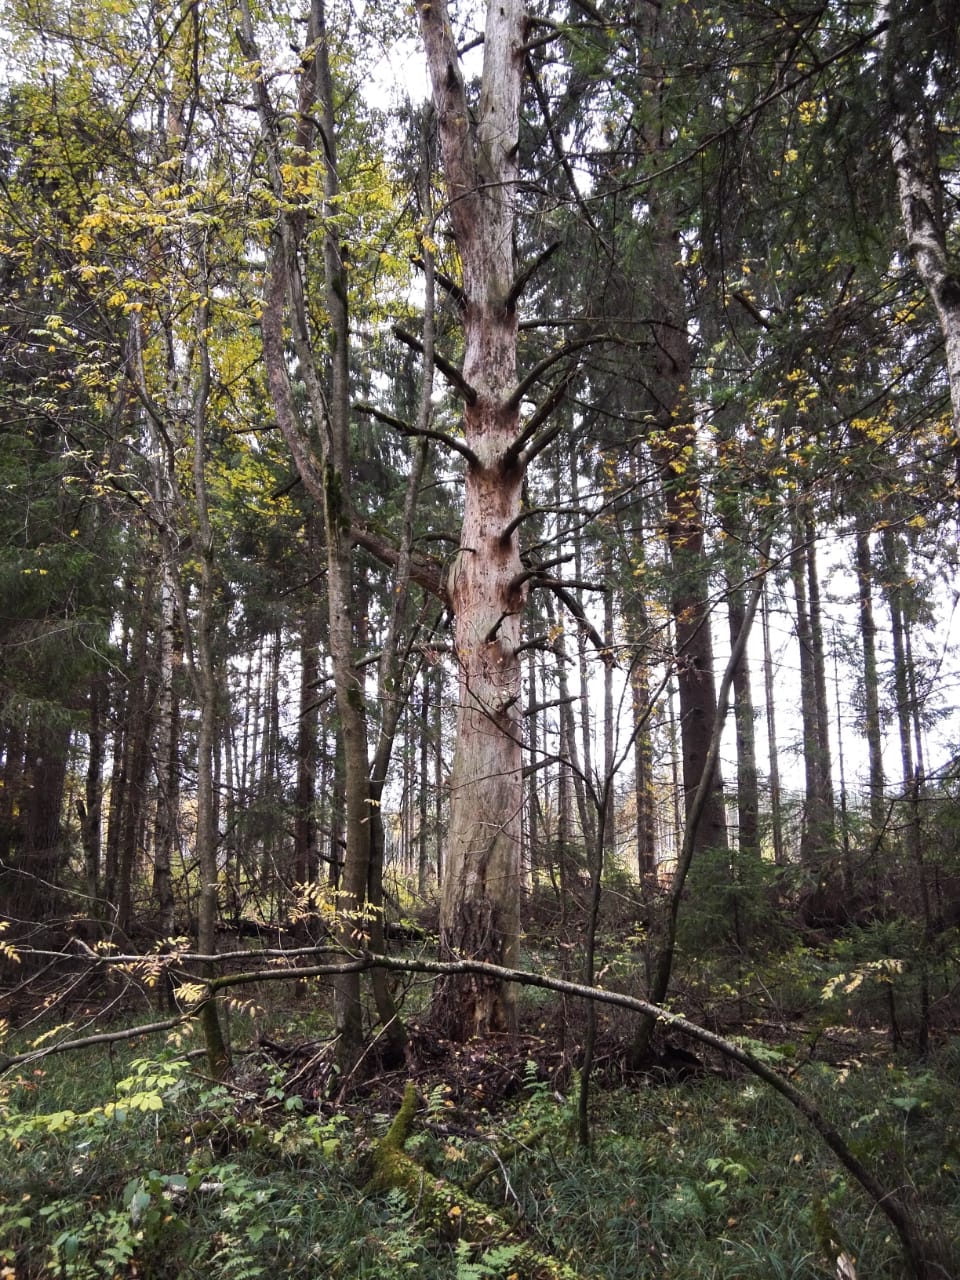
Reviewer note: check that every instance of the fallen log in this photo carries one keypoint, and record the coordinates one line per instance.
(449, 1212)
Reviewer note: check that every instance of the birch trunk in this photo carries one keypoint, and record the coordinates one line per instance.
(920, 184)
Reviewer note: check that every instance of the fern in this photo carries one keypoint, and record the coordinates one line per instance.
(492, 1264)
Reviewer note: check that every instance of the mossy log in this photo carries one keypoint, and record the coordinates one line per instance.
(448, 1211)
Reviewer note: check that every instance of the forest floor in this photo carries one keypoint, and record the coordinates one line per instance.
(128, 1161)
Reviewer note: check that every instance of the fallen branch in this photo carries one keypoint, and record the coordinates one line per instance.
(922, 1255)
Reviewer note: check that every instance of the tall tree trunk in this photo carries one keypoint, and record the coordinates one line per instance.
(423, 789)
(532, 808)
(347, 677)
(205, 684)
(115, 801)
(824, 754)
(137, 747)
(328, 483)
(674, 451)
(584, 774)
(394, 694)
(167, 757)
(640, 636)
(479, 914)
(609, 817)
(871, 682)
(572, 766)
(770, 706)
(748, 785)
(439, 774)
(644, 792)
(895, 573)
(912, 36)
(306, 858)
(664, 963)
(818, 825)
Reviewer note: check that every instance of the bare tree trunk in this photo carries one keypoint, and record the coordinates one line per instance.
(481, 891)
(306, 858)
(910, 41)
(770, 703)
(748, 786)
(871, 682)
(329, 482)
(818, 825)
(218, 1057)
(167, 757)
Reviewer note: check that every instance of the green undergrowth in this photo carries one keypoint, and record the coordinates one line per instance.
(145, 1168)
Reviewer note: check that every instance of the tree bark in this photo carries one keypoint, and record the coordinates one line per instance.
(329, 482)
(205, 684)
(871, 682)
(479, 915)
(818, 822)
(910, 41)
(748, 788)
(674, 451)
(770, 705)
(306, 857)
(167, 756)
(896, 574)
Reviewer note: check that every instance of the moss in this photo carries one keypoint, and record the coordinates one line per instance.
(399, 1131)
(218, 1055)
(333, 491)
(445, 1209)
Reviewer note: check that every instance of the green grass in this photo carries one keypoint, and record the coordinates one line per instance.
(131, 1163)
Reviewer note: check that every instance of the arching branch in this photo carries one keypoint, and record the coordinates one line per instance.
(921, 1253)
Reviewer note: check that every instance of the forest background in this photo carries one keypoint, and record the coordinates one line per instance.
(395, 496)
